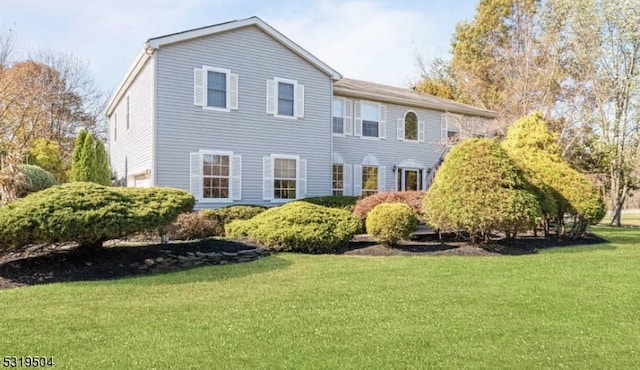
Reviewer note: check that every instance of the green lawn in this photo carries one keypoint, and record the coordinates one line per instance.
(572, 307)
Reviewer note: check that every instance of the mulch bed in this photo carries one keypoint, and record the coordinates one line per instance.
(120, 260)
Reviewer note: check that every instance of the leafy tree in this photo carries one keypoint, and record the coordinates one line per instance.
(45, 153)
(480, 189)
(600, 44)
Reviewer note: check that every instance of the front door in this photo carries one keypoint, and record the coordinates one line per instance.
(409, 179)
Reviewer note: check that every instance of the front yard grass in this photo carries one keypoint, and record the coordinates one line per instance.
(571, 307)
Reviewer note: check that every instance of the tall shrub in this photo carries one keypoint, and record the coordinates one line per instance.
(480, 189)
(534, 147)
(89, 162)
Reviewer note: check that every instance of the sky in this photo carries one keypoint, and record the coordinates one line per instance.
(371, 40)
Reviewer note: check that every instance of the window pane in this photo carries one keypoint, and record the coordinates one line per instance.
(338, 125)
(411, 126)
(338, 108)
(285, 99)
(216, 89)
(215, 176)
(284, 168)
(337, 177)
(369, 180)
(370, 128)
(370, 112)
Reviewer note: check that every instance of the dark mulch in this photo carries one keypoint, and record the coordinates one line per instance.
(111, 262)
(117, 261)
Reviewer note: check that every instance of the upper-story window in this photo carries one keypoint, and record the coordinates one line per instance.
(410, 126)
(215, 88)
(370, 120)
(338, 116)
(128, 112)
(285, 98)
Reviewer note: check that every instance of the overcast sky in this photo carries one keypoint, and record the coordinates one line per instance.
(370, 40)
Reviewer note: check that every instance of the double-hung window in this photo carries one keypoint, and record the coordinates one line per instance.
(370, 120)
(215, 88)
(216, 176)
(284, 177)
(285, 98)
(338, 110)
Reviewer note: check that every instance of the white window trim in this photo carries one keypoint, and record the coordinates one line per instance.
(332, 173)
(380, 121)
(216, 152)
(205, 86)
(276, 80)
(128, 111)
(273, 169)
(344, 116)
(404, 122)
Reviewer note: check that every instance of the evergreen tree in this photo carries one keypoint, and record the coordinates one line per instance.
(90, 161)
(102, 170)
(76, 167)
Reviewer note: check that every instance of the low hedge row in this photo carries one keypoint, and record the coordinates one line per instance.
(207, 223)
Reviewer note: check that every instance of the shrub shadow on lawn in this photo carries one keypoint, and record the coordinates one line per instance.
(121, 261)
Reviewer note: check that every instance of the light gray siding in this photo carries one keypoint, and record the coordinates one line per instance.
(130, 153)
(391, 151)
(183, 128)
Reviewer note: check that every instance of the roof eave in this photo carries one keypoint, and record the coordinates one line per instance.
(253, 21)
(426, 105)
(139, 62)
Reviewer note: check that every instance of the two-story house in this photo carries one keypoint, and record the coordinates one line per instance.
(239, 113)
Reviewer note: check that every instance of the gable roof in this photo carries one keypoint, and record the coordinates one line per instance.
(158, 42)
(404, 96)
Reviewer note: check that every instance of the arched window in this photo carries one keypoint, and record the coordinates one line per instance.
(410, 126)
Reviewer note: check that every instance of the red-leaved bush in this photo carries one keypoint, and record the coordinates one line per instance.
(412, 198)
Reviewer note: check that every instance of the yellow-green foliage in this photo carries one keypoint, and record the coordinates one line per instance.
(88, 213)
(209, 222)
(530, 143)
(298, 226)
(390, 222)
(479, 188)
(334, 201)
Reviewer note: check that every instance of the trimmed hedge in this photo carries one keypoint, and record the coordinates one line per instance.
(390, 222)
(88, 213)
(232, 213)
(412, 198)
(334, 201)
(36, 179)
(298, 227)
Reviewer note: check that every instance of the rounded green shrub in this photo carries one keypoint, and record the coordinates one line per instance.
(36, 179)
(298, 227)
(390, 222)
(88, 214)
(334, 201)
(412, 198)
(480, 189)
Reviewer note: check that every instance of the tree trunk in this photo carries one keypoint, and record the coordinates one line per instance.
(618, 203)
